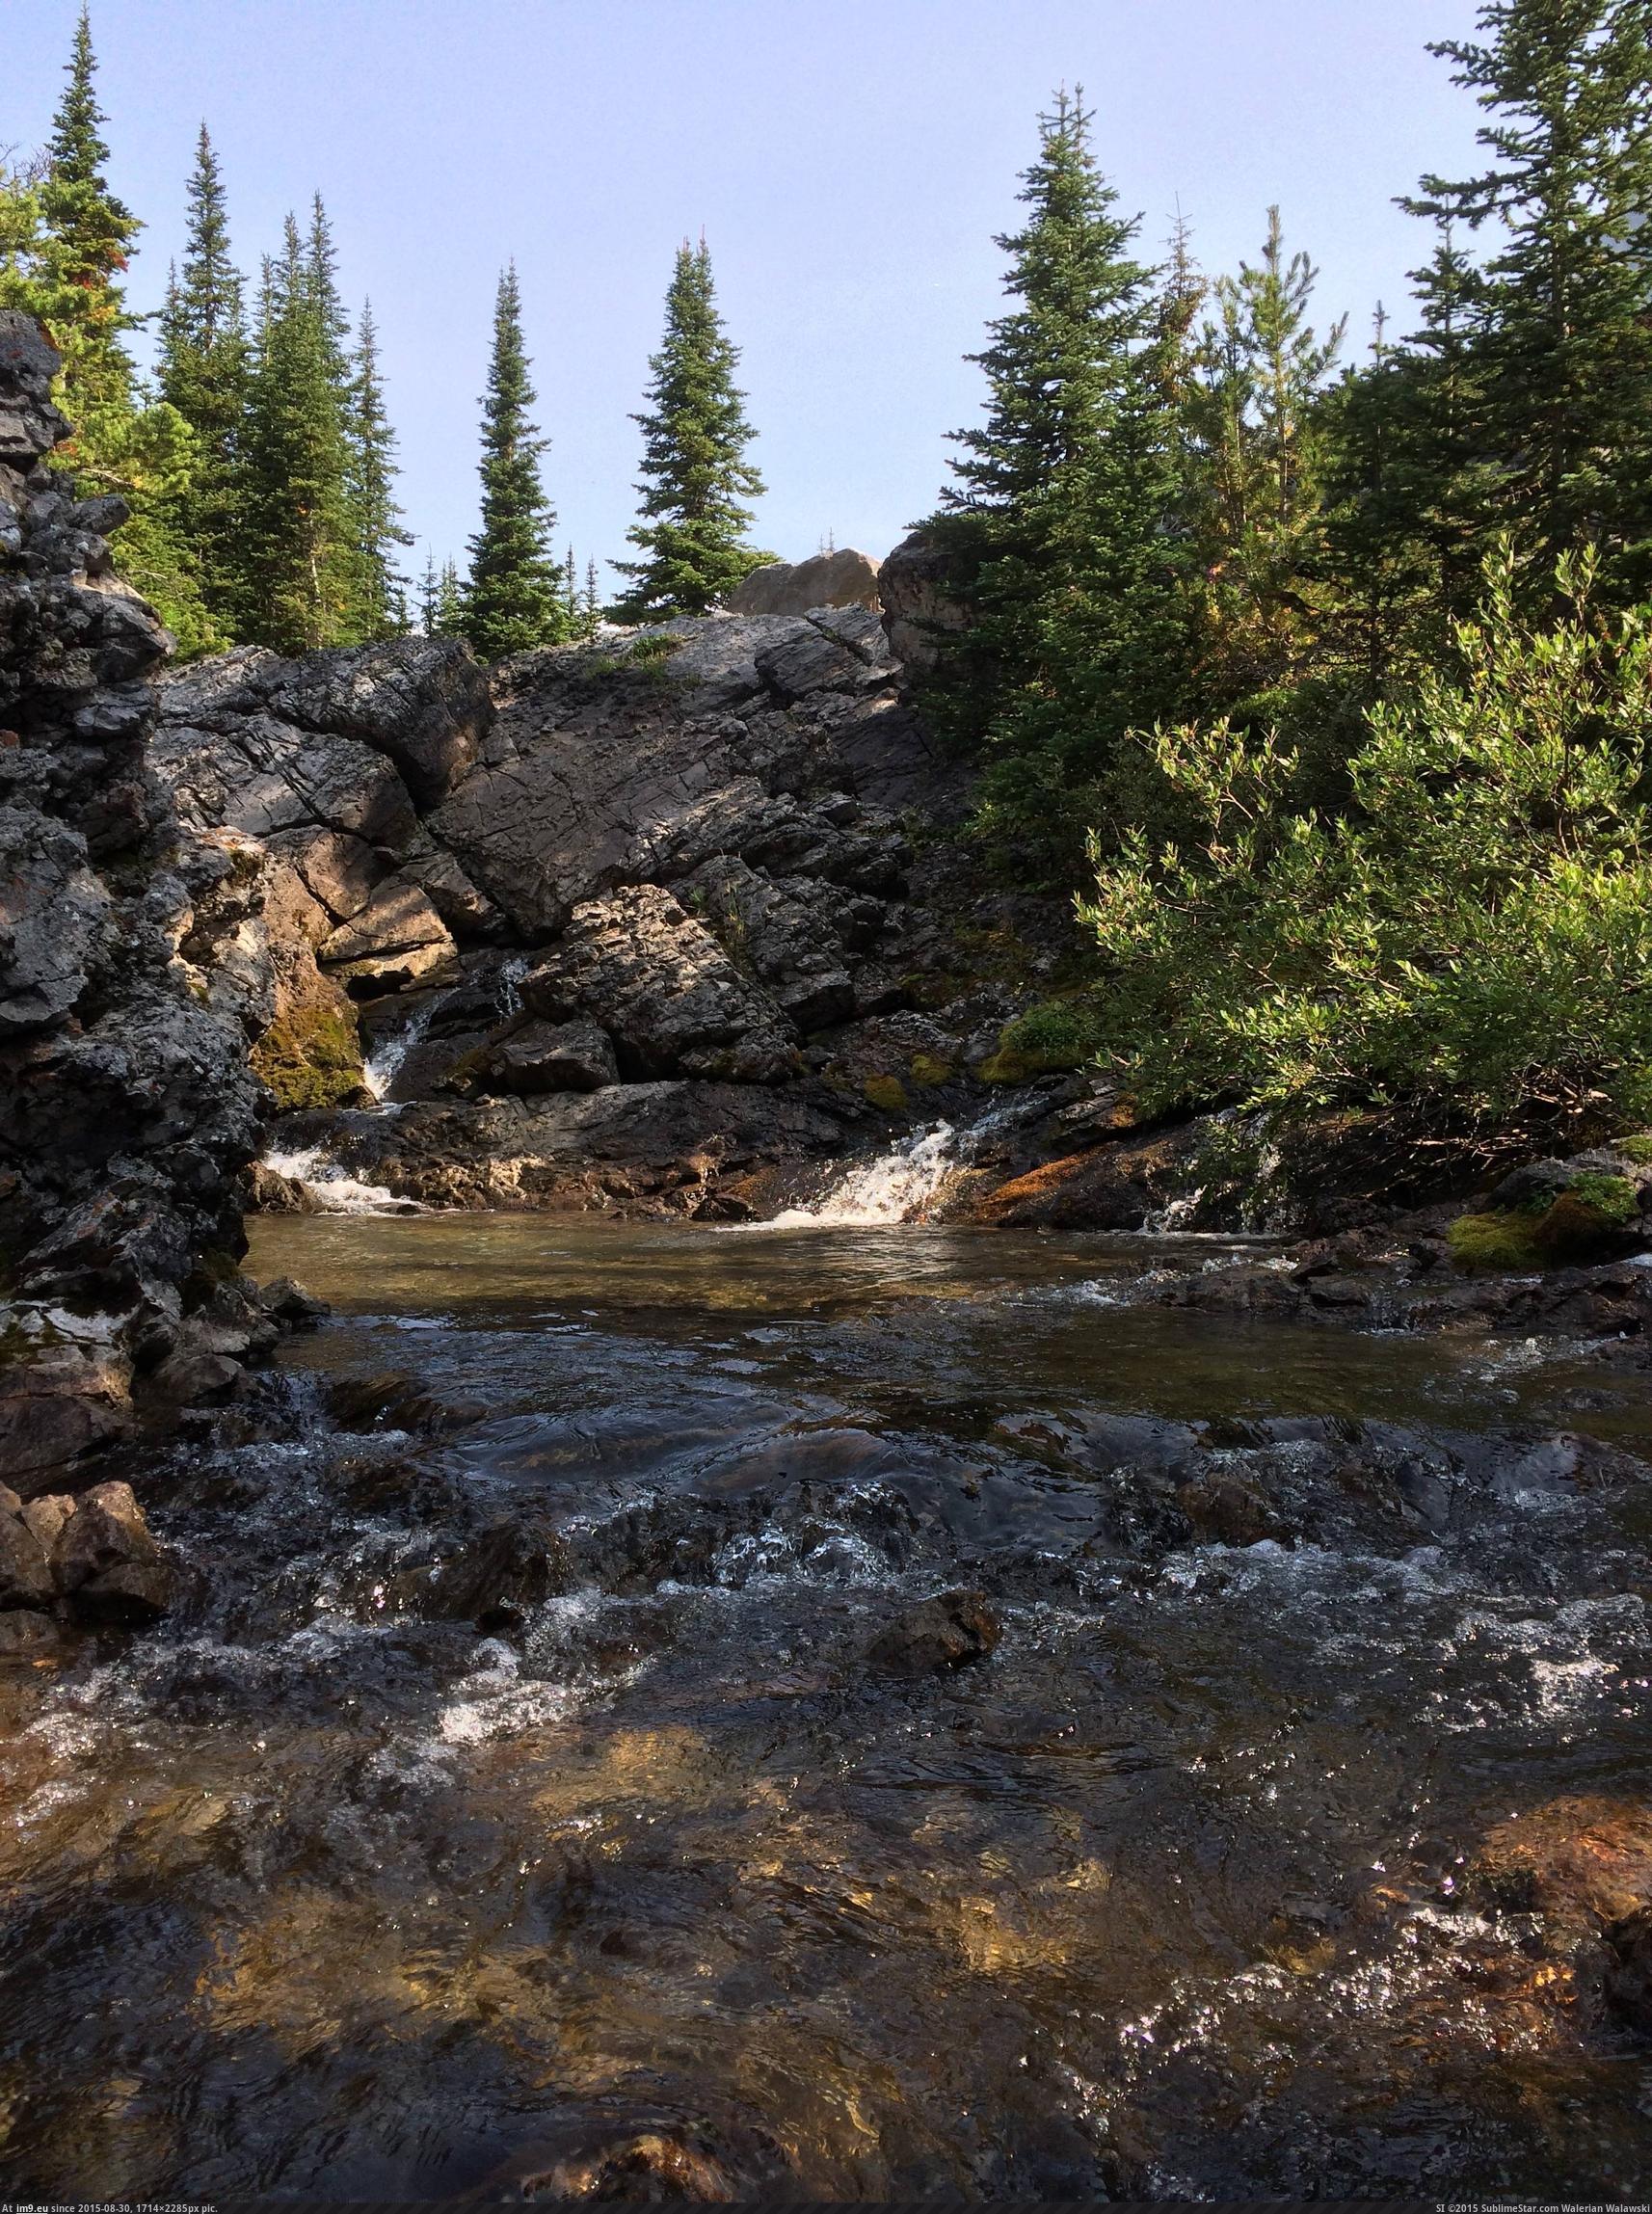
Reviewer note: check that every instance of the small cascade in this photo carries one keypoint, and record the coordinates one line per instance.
(379, 1069)
(331, 1186)
(895, 1187)
(511, 975)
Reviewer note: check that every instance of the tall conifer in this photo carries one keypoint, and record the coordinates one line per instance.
(372, 465)
(124, 441)
(512, 597)
(202, 373)
(302, 527)
(692, 534)
(1057, 523)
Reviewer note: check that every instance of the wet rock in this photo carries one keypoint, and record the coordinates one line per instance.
(288, 1304)
(842, 579)
(664, 990)
(57, 1406)
(194, 1377)
(47, 1515)
(518, 1562)
(1629, 1978)
(939, 1632)
(24, 1635)
(1222, 1505)
(25, 1569)
(106, 1564)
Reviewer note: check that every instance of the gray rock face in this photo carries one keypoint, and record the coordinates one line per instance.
(595, 778)
(664, 990)
(126, 1109)
(844, 579)
(555, 1058)
(919, 599)
(395, 938)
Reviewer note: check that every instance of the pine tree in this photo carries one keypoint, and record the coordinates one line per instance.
(301, 528)
(428, 588)
(1257, 473)
(1057, 528)
(692, 535)
(590, 603)
(372, 443)
(449, 603)
(1562, 348)
(70, 240)
(513, 597)
(202, 373)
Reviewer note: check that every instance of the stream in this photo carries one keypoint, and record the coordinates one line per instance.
(518, 1802)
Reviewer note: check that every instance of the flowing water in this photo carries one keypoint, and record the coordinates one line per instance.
(661, 1882)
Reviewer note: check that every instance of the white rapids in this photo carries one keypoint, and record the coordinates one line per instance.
(894, 1188)
(332, 1188)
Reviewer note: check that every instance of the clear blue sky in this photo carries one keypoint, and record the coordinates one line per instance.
(850, 163)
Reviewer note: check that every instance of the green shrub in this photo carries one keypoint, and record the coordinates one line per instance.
(658, 646)
(1057, 1035)
(1474, 932)
(1637, 1148)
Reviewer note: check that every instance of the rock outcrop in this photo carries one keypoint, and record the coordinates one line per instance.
(841, 578)
(919, 601)
(127, 1113)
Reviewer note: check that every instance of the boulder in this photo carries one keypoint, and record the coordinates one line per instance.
(554, 1057)
(844, 578)
(396, 938)
(56, 1407)
(25, 1566)
(939, 1632)
(24, 1634)
(918, 596)
(664, 990)
(106, 1564)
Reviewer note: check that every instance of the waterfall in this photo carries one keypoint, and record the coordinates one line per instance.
(895, 1187)
(379, 1069)
(332, 1188)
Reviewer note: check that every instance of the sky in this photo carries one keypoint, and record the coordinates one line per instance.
(849, 167)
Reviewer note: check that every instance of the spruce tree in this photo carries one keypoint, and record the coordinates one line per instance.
(1056, 527)
(513, 597)
(1258, 472)
(1563, 352)
(381, 607)
(692, 535)
(202, 373)
(69, 272)
(302, 527)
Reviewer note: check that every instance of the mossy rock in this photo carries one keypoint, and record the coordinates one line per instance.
(1046, 1040)
(1637, 1148)
(886, 1092)
(931, 1069)
(311, 1058)
(1584, 1222)
(1008, 1067)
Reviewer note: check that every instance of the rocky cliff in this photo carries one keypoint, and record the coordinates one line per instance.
(128, 1112)
(630, 924)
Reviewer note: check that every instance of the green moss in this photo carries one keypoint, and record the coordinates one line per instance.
(1582, 1223)
(658, 647)
(886, 1092)
(311, 1058)
(1637, 1148)
(1046, 1040)
(1493, 1241)
(931, 1069)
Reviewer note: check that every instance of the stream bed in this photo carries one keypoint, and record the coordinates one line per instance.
(520, 1800)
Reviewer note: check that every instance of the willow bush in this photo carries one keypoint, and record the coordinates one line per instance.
(1474, 931)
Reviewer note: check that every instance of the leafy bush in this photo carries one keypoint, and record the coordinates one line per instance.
(1057, 1034)
(1474, 932)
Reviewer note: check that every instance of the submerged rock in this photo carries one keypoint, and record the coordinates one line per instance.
(939, 1632)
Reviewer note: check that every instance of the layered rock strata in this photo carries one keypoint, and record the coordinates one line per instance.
(129, 989)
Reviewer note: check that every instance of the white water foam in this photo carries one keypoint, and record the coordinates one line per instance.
(895, 1187)
(332, 1188)
(379, 1069)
